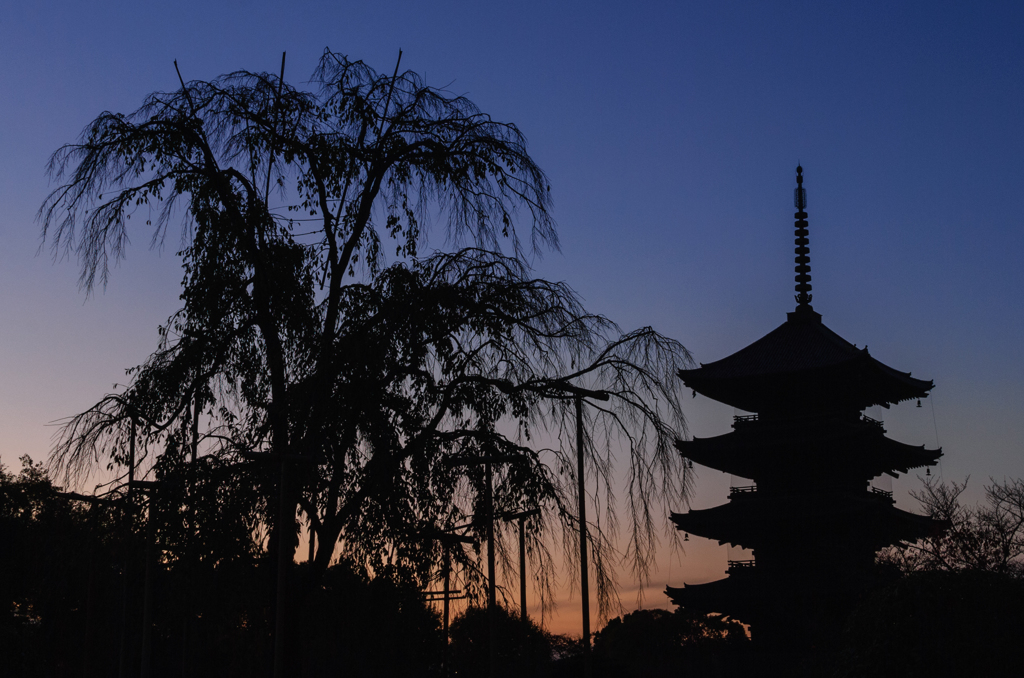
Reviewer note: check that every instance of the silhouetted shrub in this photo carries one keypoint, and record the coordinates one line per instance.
(356, 626)
(653, 643)
(57, 570)
(523, 649)
(71, 592)
(937, 624)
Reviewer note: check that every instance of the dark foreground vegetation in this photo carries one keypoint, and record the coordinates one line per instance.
(951, 605)
(73, 573)
(75, 578)
(947, 606)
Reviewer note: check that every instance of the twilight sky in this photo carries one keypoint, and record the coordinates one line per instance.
(670, 132)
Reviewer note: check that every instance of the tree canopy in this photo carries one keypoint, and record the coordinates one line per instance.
(655, 642)
(936, 624)
(300, 343)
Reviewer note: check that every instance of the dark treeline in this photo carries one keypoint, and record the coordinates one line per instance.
(950, 605)
(74, 572)
(947, 606)
(73, 577)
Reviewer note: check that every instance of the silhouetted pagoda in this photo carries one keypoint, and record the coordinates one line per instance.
(811, 518)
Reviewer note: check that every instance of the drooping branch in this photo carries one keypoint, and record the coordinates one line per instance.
(372, 382)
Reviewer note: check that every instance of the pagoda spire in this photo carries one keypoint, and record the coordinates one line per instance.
(803, 252)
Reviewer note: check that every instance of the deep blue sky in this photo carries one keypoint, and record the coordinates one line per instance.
(670, 131)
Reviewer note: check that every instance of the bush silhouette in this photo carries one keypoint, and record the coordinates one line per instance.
(937, 624)
(523, 649)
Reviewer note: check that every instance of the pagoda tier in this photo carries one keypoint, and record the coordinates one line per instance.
(754, 519)
(739, 595)
(803, 367)
(779, 606)
(854, 448)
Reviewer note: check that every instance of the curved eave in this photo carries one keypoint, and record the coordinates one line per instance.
(736, 597)
(751, 454)
(910, 527)
(725, 523)
(918, 456)
(802, 361)
(750, 522)
(856, 383)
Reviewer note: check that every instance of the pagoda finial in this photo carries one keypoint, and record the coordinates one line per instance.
(803, 259)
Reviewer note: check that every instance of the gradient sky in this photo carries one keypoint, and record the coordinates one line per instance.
(670, 131)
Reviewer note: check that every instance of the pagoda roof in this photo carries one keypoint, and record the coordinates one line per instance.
(755, 450)
(752, 521)
(802, 364)
(736, 596)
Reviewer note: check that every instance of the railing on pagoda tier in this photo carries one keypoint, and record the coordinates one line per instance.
(743, 420)
(882, 493)
(742, 492)
(740, 421)
(874, 422)
(738, 566)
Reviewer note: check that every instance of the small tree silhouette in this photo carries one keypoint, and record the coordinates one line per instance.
(988, 537)
(657, 642)
(524, 649)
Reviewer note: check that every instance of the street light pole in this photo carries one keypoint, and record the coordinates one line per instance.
(492, 621)
(578, 395)
(588, 668)
(522, 570)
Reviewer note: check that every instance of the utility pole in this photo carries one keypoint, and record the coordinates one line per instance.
(123, 653)
(581, 488)
(521, 518)
(190, 564)
(285, 510)
(285, 521)
(150, 487)
(447, 539)
(447, 593)
(491, 589)
(492, 620)
(588, 662)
